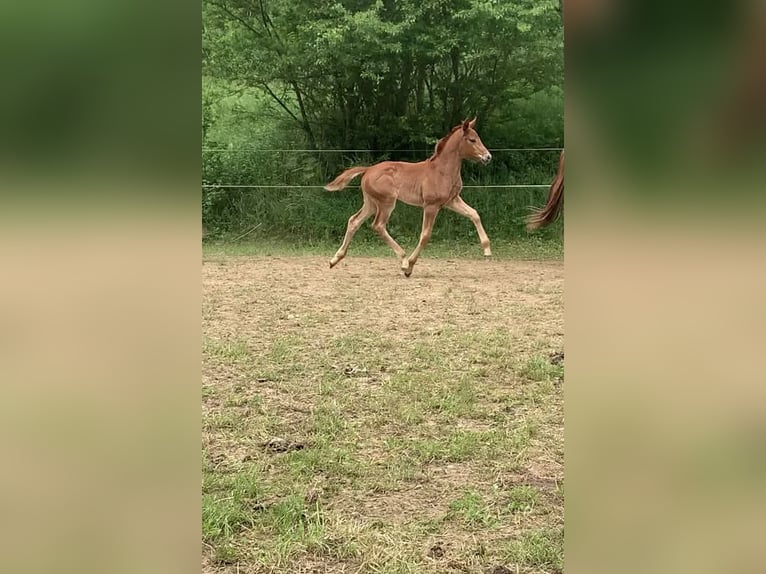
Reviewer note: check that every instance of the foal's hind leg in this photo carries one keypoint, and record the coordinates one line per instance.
(379, 226)
(429, 216)
(354, 223)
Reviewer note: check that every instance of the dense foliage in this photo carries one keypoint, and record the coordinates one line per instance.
(387, 76)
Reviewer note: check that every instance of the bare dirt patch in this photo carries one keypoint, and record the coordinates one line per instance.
(262, 294)
(426, 410)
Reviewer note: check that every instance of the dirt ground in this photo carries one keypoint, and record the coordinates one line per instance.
(372, 292)
(404, 425)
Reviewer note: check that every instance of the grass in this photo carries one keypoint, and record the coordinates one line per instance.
(311, 217)
(228, 350)
(528, 248)
(541, 549)
(398, 431)
(473, 510)
(522, 498)
(541, 369)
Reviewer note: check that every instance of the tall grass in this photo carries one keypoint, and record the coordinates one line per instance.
(313, 214)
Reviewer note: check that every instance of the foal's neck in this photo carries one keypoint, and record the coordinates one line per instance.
(449, 159)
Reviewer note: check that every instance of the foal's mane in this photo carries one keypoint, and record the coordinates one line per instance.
(442, 142)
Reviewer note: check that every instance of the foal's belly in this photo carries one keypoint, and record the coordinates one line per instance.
(411, 197)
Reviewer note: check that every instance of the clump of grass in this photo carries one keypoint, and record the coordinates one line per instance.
(284, 349)
(223, 517)
(293, 520)
(331, 461)
(231, 351)
(453, 402)
(226, 420)
(543, 548)
(457, 446)
(522, 498)
(472, 510)
(541, 369)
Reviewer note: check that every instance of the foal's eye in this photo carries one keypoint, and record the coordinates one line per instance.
(472, 140)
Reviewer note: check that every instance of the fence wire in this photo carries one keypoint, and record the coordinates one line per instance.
(260, 150)
(369, 151)
(218, 185)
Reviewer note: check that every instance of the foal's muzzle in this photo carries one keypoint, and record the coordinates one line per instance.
(485, 159)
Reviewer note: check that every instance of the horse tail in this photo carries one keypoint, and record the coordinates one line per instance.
(551, 211)
(344, 178)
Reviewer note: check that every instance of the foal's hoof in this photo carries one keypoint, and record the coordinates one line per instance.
(406, 268)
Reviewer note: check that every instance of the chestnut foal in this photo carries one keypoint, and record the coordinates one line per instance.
(430, 184)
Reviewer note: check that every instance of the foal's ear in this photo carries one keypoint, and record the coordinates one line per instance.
(472, 122)
(465, 125)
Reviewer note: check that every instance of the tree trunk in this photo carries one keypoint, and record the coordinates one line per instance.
(405, 86)
(456, 87)
(420, 86)
(430, 86)
(304, 117)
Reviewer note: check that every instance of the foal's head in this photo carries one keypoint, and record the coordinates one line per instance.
(471, 146)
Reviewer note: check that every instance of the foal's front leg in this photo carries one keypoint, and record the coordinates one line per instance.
(459, 206)
(429, 216)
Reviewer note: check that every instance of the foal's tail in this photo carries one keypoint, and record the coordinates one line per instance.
(343, 179)
(552, 209)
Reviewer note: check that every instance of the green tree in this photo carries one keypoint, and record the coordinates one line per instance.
(385, 73)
